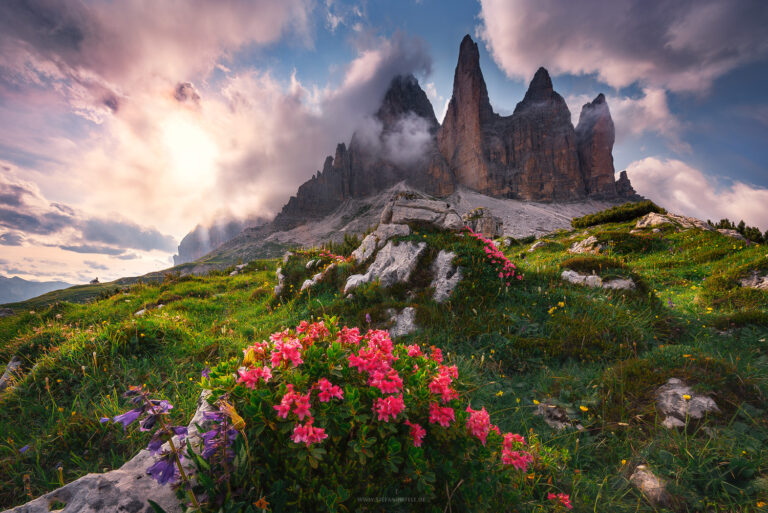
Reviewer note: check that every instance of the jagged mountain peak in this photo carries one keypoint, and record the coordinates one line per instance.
(405, 95)
(540, 88)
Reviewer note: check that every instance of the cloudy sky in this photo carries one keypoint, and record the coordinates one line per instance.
(124, 124)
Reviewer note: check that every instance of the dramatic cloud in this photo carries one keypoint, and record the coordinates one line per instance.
(23, 208)
(678, 45)
(406, 143)
(681, 188)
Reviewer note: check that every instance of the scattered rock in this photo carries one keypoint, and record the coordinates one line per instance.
(754, 281)
(416, 208)
(654, 220)
(126, 489)
(393, 264)
(588, 245)
(310, 264)
(377, 239)
(280, 281)
(234, 273)
(240, 267)
(591, 280)
(651, 486)
(732, 233)
(317, 278)
(402, 323)
(6, 312)
(12, 372)
(482, 221)
(287, 256)
(556, 417)
(538, 245)
(140, 312)
(656, 230)
(672, 404)
(446, 276)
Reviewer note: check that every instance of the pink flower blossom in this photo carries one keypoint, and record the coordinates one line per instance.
(518, 459)
(414, 350)
(302, 327)
(307, 433)
(562, 498)
(479, 423)
(512, 438)
(284, 408)
(389, 406)
(259, 349)
(329, 391)
(287, 351)
(437, 354)
(316, 331)
(441, 415)
(301, 406)
(441, 384)
(388, 382)
(417, 433)
(251, 377)
(349, 336)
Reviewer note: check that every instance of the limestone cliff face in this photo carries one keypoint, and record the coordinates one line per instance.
(595, 135)
(534, 154)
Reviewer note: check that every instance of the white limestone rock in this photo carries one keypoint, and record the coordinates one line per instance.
(393, 264)
(755, 281)
(413, 207)
(446, 276)
(676, 409)
(732, 234)
(402, 323)
(651, 486)
(11, 374)
(588, 245)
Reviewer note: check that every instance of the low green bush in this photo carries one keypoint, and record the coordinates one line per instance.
(326, 419)
(617, 214)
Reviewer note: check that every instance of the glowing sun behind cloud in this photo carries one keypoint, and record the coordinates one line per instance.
(192, 153)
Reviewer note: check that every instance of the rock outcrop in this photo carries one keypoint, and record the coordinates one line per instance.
(678, 403)
(481, 220)
(592, 280)
(652, 487)
(418, 209)
(755, 280)
(393, 264)
(446, 276)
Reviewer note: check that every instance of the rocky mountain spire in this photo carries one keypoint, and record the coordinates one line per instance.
(403, 96)
(460, 138)
(595, 135)
(540, 88)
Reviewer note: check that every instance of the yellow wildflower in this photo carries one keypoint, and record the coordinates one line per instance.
(686, 397)
(583, 408)
(535, 401)
(499, 393)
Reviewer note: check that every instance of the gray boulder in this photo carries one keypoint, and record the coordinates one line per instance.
(446, 276)
(651, 486)
(755, 281)
(671, 403)
(403, 322)
(317, 278)
(482, 221)
(732, 234)
(556, 417)
(537, 245)
(588, 245)
(416, 208)
(591, 280)
(393, 264)
(12, 372)
(378, 239)
(280, 287)
(123, 490)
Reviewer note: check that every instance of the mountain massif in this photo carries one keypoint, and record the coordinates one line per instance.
(15, 289)
(535, 154)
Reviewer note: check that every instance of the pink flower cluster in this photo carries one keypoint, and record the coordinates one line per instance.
(376, 359)
(287, 350)
(562, 498)
(517, 458)
(312, 332)
(349, 336)
(259, 350)
(390, 406)
(442, 415)
(307, 433)
(334, 258)
(479, 424)
(505, 268)
(441, 384)
(328, 391)
(291, 398)
(251, 376)
(417, 433)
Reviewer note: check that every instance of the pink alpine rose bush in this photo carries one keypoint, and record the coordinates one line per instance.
(333, 419)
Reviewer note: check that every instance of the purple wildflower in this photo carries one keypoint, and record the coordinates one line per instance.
(24, 449)
(163, 471)
(206, 373)
(155, 445)
(128, 417)
(368, 318)
(670, 303)
(104, 420)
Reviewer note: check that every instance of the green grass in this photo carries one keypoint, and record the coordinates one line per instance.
(541, 339)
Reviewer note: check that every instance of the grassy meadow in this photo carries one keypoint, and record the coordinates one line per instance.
(599, 354)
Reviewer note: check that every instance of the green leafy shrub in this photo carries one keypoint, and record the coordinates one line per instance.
(617, 214)
(326, 419)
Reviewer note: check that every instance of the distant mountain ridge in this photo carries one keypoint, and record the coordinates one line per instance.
(16, 289)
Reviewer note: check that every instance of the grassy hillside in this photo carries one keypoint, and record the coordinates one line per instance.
(599, 354)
